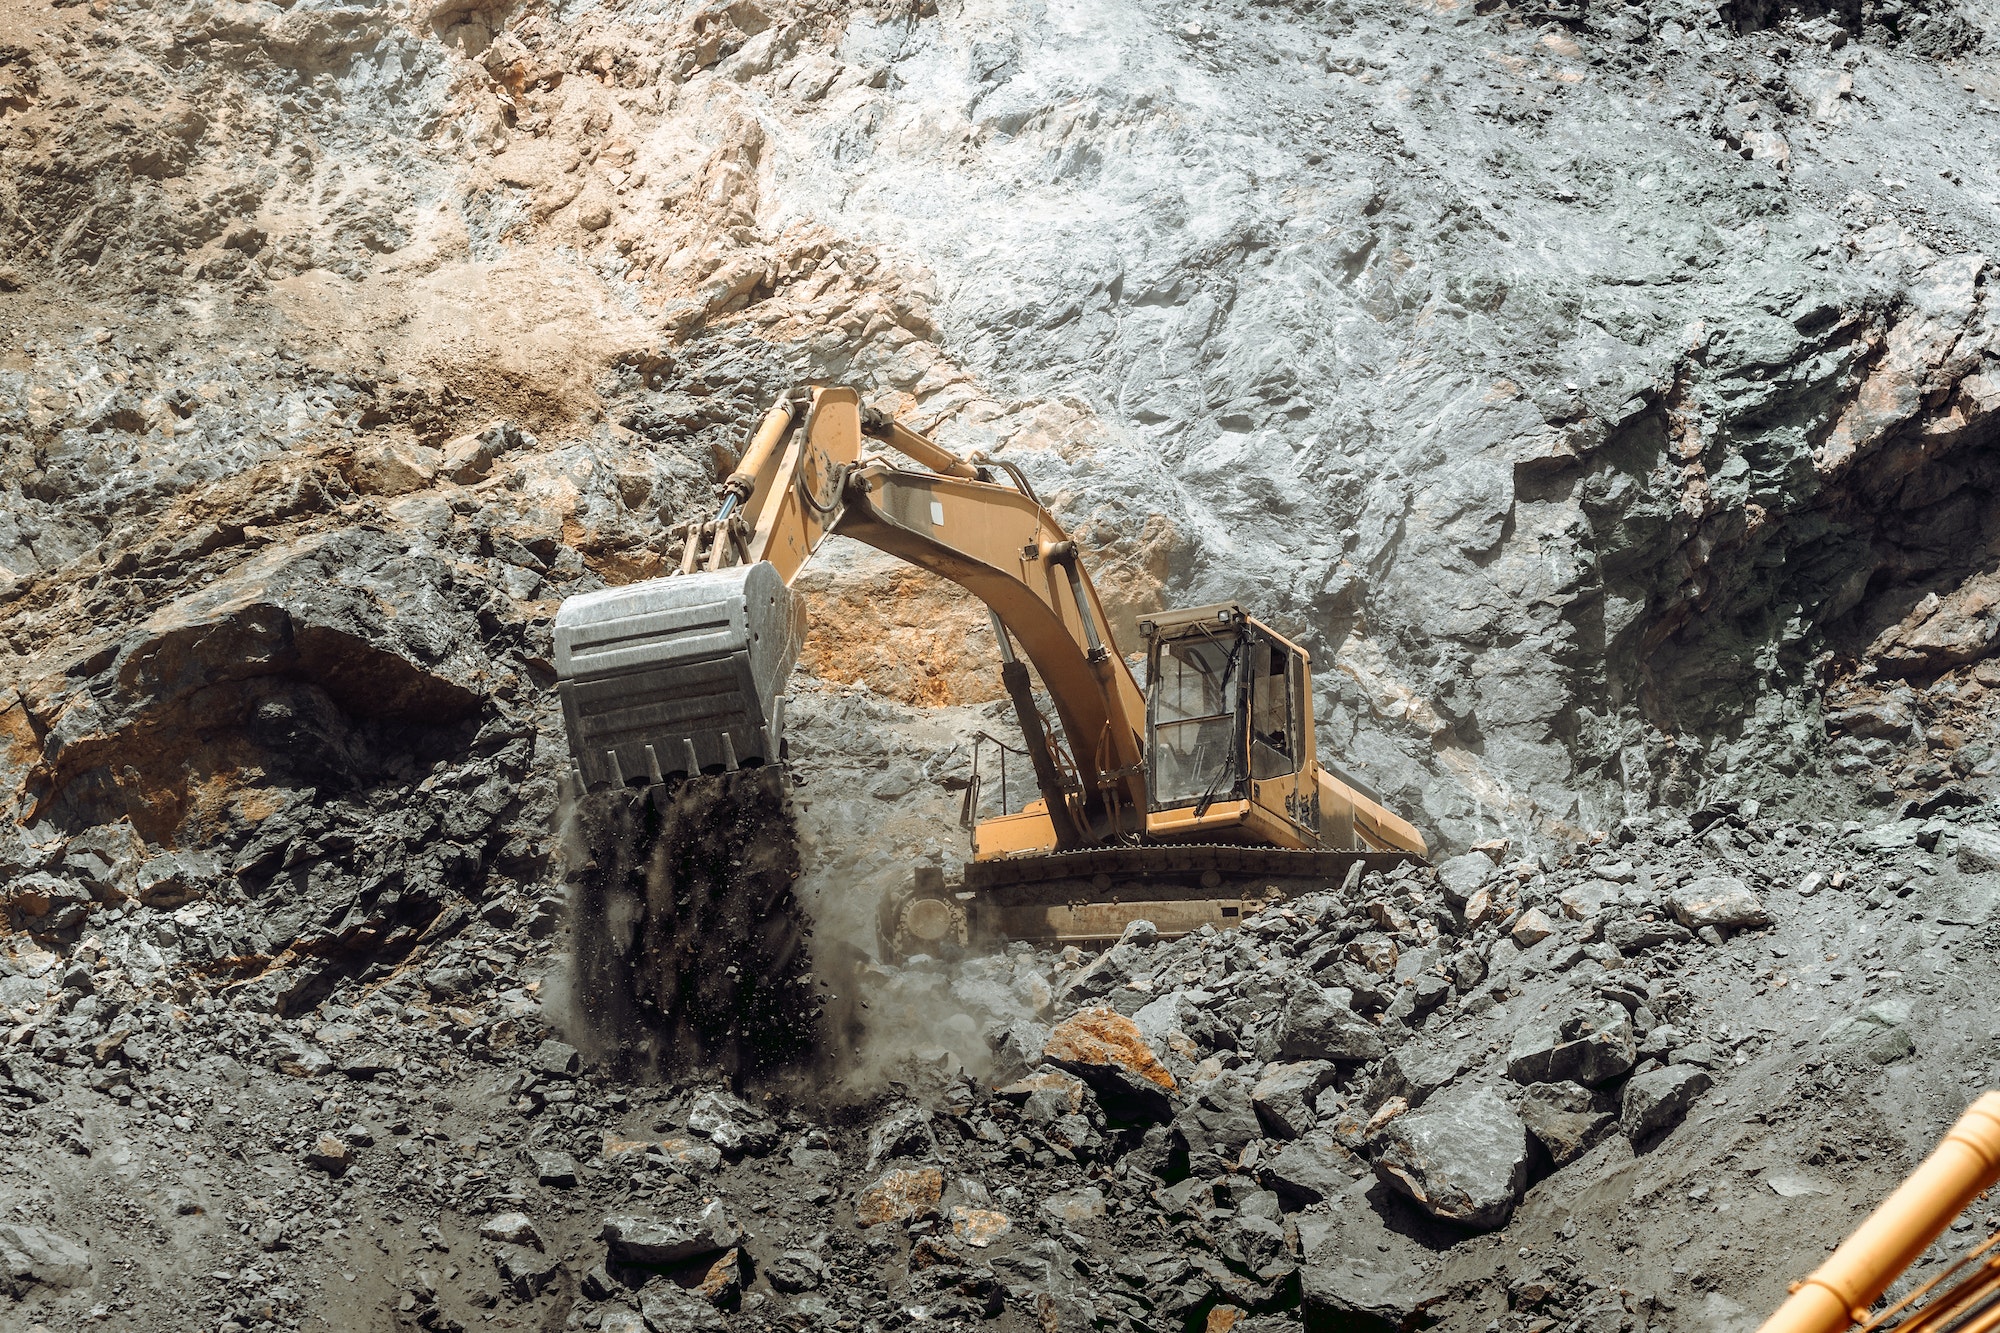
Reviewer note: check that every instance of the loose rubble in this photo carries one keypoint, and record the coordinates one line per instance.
(1166, 1149)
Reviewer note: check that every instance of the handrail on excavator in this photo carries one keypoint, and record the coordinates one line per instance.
(1841, 1292)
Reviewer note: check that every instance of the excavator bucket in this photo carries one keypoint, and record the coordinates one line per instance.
(676, 676)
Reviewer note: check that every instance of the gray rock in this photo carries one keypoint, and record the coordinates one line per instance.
(906, 1133)
(1310, 1169)
(1568, 1120)
(1976, 848)
(669, 1240)
(1630, 935)
(1591, 1049)
(1722, 901)
(30, 1255)
(1460, 876)
(1655, 1102)
(795, 1271)
(556, 1059)
(1283, 1096)
(1413, 1075)
(1462, 1157)
(1314, 1026)
(670, 1308)
(526, 1271)
(511, 1229)
(1219, 1118)
(1358, 1274)
(298, 1057)
(732, 1124)
(1357, 1293)
(1879, 1032)
(555, 1169)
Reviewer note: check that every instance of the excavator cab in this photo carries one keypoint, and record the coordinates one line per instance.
(1229, 739)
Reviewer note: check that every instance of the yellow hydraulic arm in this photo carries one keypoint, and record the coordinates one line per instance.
(800, 481)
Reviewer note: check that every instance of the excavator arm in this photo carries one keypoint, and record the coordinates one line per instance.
(685, 675)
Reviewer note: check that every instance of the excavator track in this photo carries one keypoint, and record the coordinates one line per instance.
(1088, 897)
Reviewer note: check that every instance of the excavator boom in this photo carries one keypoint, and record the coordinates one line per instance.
(1208, 776)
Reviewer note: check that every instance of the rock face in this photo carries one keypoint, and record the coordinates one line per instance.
(1462, 1158)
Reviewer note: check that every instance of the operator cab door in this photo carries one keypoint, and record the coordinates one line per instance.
(1283, 781)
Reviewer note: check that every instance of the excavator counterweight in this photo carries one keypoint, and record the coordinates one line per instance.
(1192, 802)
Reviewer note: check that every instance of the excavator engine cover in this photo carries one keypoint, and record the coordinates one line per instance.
(676, 676)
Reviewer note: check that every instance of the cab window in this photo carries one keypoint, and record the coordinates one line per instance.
(1274, 723)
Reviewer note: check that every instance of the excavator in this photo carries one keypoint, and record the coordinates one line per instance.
(1194, 801)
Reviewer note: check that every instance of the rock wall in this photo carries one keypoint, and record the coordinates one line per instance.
(1591, 391)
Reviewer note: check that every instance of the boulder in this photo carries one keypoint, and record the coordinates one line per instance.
(1532, 928)
(1656, 1101)
(1310, 1169)
(1568, 1121)
(1362, 1295)
(1461, 876)
(1075, 1207)
(31, 1255)
(1106, 1050)
(1219, 1118)
(1412, 1075)
(1631, 935)
(555, 1169)
(907, 1133)
(732, 1124)
(330, 1155)
(1722, 901)
(1879, 1032)
(900, 1196)
(1592, 1049)
(1283, 1096)
(556, 1059)
(1462, 1157)
(511, 1229)
(1314, 1026)
(1977, 849)
(1357, 1274)
(669, 1240)
(667, 1307)
(525, 1270)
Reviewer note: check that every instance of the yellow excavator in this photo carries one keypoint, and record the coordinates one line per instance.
(1195, 800)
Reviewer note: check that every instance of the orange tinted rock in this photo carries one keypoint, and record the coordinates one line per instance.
(900, 1196)
(1105, 1049)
